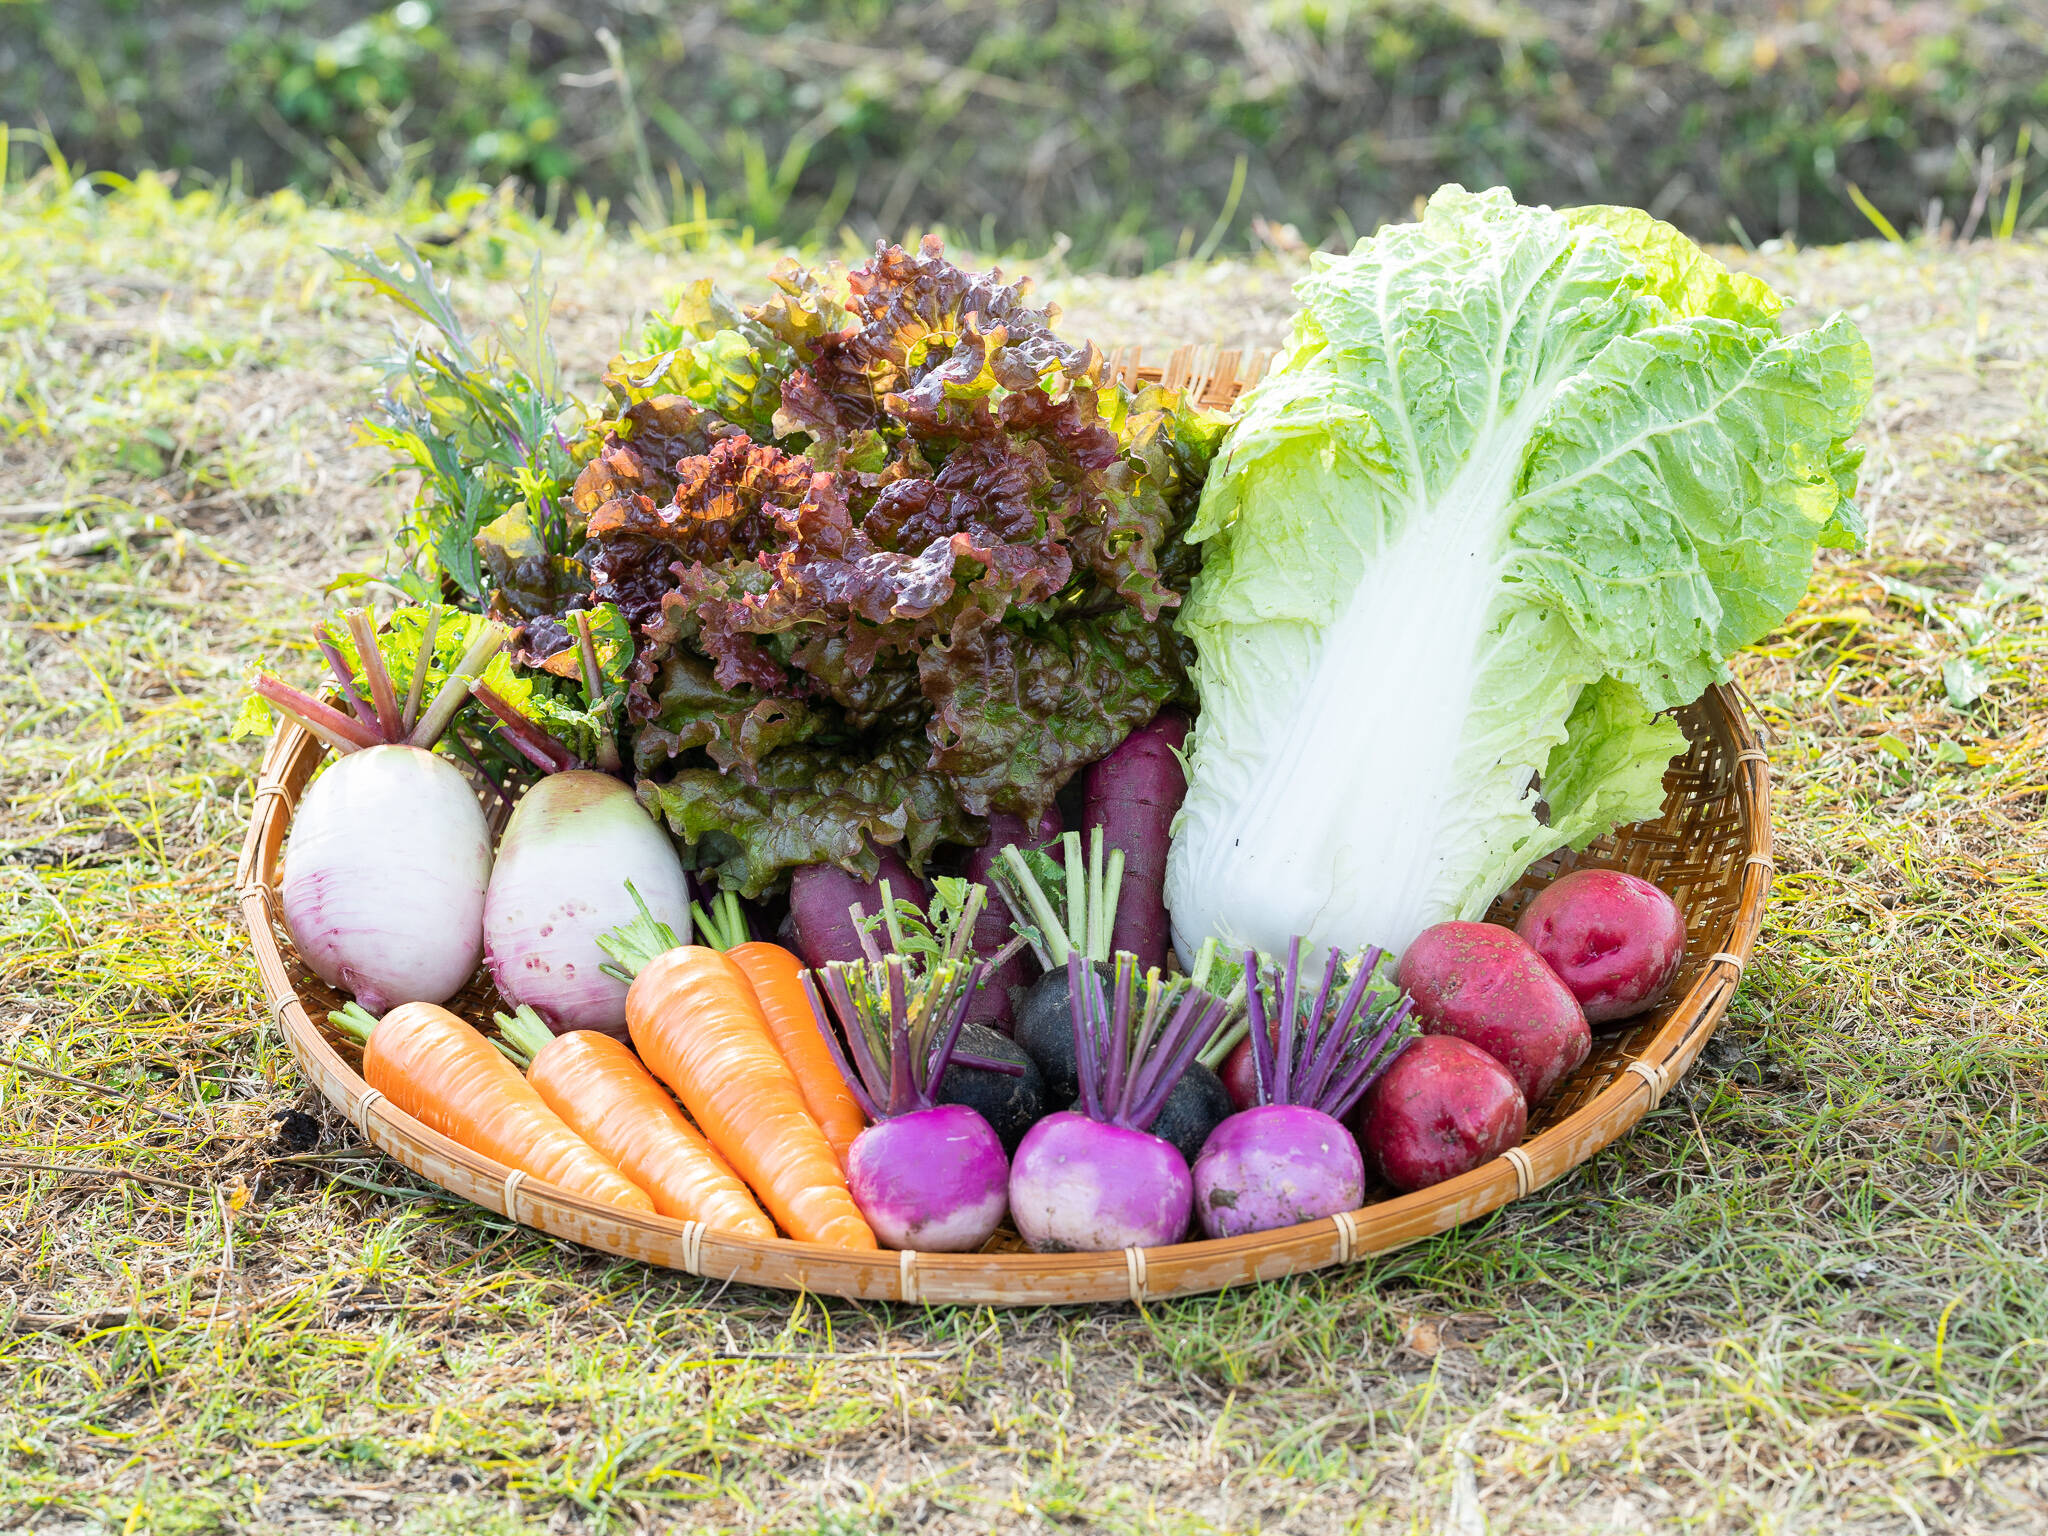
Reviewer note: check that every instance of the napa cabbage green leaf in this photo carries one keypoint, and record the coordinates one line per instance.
(1522, 481)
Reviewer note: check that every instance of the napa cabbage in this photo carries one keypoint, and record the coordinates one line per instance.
(1523, 481)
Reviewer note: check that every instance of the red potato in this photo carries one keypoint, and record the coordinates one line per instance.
(992, 930)
(1133, 795)
(1443, 1108)
(821, 894)
(1481, 983)
(1615, 940)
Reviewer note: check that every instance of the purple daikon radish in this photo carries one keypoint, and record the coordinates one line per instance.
(821, 927)
(1094, 1177)
(991, 1005)
(1133, 795)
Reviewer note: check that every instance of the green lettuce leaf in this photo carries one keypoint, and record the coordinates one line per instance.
(1522, 479)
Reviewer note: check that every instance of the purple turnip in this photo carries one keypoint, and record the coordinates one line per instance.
(1615, 940)
(926, 1175)
(1094, 1177)
(1289, 1158)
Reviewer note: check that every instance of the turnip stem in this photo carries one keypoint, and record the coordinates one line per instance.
(1372, 1062)
(1157, 999)
(466, 749)
(1084, 990)
(344, 680)
(422, 664)
(1261, 1031)
(1117, 1067)
(1037, 911)
(854, 1083)
(932, 1064)
(901, 1086)
(454, 692)
(1193, 1022)
(593, 688)
(1320, 1056)
(839, 978)
(1289, 1022)
(361, 625)
(532, 743)
(1078, 931)
(322, 720)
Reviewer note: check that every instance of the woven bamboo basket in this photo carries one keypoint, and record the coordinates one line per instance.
(1710, 849)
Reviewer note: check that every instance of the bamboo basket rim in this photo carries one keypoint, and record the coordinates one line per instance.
(1683, 1027)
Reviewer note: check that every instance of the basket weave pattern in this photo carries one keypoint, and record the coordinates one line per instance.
(1710, 849)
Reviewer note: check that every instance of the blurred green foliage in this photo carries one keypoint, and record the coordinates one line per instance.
(1139, 131)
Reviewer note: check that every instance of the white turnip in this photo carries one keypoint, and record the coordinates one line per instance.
(390, 854)
(576, 842)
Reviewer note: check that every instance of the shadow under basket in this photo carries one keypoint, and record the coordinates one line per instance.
(1710, 849)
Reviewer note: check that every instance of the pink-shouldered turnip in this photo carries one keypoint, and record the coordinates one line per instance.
(578, 846)
(1288, 1158)
(1094, 1177)
(389, 853)
(1443, 1108)
(1481, 983)
(1614, 939)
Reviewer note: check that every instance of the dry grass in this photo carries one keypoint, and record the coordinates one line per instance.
(1809, 1294)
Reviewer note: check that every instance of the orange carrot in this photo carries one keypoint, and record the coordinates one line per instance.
(777, 977)
(693, 1019)
(598, 1087)
(447, 1076)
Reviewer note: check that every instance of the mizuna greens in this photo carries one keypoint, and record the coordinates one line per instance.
(1523, 479)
